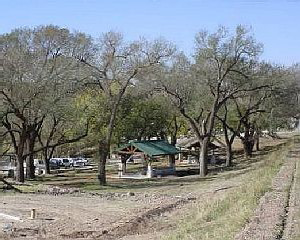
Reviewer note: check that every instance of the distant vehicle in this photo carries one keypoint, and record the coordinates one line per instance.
(54, 163)
(40, 165)
(65, 162)
(38, 162)
(61, 162)
(79, 162)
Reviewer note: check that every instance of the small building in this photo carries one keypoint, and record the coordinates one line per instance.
(147, 150)
(190, 148)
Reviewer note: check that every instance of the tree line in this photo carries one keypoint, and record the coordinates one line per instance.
(59, 87)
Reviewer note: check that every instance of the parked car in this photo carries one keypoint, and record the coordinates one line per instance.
(54, 163)
(79, 162)
(65, 162)
(62, 162)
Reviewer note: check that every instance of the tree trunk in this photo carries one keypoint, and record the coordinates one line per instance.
(229, 142)
(30, 168)
(47, 165)
(20, 169)
(47, 161)
(30, 174)
(173, 142)
(103, 153)
(173, 139)
(229, 154)
(248, 140)
(174, 132)
(257, 143)
(20, 158)
(203, 157)
(104, 145)
(248, 145)
(207, 130)
(48, 154)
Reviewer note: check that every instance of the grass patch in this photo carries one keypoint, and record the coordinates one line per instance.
(32, 188)
(223, 215)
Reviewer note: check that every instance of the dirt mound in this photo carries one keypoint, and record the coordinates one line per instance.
(137, 225)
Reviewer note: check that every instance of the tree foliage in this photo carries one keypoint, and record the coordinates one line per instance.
(54, 81)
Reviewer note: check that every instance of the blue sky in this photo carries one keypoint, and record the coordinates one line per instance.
(275, 23)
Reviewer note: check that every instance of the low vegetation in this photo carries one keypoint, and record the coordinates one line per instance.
(221, 217)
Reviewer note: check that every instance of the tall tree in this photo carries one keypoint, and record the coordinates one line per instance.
(115, 66)
(200, 89)
(39, 71)
(252, 111)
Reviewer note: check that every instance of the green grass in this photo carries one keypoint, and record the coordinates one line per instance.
(221, 217)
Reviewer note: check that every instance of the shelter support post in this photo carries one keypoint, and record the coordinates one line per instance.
(172, 161)
(122, 166)
(149, 170)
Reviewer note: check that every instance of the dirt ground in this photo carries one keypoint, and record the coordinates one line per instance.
(106, 216)
(75, 216)
(112, 215)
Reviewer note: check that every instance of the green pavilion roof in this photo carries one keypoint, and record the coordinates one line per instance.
(151, 148)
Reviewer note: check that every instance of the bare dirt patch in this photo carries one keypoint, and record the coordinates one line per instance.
(144, 212)
(75, 217)
(62, 214)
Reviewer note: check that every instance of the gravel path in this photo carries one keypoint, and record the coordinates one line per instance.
(274, 217)
(292, 222)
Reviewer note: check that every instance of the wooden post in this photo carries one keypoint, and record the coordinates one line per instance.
(180, 158)
(33, 214)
